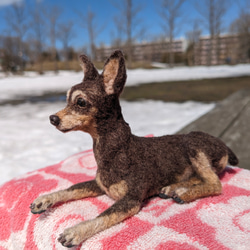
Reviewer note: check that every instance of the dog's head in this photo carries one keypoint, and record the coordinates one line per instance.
(95, 99)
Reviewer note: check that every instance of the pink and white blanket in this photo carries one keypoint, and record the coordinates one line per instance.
(220, 222)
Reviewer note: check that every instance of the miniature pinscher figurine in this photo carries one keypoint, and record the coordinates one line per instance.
(130, 168)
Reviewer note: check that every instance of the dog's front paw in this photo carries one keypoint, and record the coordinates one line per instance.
(75, 235)
(70, 237)
(41, 204)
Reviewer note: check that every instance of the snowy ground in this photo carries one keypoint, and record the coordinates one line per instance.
(33, 84)
(29, 142)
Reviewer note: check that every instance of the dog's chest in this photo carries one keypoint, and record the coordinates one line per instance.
(116, 191)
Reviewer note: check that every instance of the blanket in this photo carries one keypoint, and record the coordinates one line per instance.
(219, 222)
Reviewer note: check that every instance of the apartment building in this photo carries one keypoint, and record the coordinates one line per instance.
(220, 50)
(146, 51)
(225, 49)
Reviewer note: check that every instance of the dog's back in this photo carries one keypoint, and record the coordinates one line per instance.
(150, 164)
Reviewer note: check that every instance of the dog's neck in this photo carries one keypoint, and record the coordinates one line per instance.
(113, 136)
(113, 130)
(110, 123)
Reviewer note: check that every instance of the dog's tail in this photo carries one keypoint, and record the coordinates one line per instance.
(232, 158)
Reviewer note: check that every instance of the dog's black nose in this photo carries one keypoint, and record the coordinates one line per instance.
(54, 120)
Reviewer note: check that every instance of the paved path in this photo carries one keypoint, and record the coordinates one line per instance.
(230, 121)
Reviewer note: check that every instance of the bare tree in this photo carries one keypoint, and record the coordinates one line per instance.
(66, 34)
(128, 23)
(117, 35)
(92, 32)
(93, 29)
(241, 27)
(16, 19)
(171, 13)
(38, 28)
(193, 39)
(53, 17)
(212, 13)
(10, 49)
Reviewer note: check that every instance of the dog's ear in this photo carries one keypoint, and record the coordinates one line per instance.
(114, 73)
(90, 72)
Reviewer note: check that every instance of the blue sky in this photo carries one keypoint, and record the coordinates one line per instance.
(105, 12)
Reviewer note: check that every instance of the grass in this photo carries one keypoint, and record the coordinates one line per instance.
(49, 66)
(75, 65)
(205, 90)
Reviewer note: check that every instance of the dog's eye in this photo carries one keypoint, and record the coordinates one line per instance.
(81, 102)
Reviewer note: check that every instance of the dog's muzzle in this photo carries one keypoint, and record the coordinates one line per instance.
(54, 120)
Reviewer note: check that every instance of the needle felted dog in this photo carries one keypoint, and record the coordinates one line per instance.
(130, 168)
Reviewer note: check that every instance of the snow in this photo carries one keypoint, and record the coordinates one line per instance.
(139, 76)
(33, 84)
(29, 141)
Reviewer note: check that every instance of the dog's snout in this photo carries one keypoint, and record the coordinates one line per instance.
(54, 120)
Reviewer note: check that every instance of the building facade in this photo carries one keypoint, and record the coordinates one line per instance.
(147, 51)
(221, 50)
(225, 49)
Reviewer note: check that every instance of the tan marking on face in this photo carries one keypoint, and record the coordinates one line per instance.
(116, 191)
(77, 93)
(68, 92)
(109, 75)
(71, 120)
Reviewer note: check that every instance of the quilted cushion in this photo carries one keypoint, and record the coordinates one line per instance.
(219, 222)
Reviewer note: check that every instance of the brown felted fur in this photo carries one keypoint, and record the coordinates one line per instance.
(130, 168)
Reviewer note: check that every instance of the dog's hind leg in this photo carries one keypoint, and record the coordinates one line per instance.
(119, 211)
(75, 192)
(205, 183)
(174, 191)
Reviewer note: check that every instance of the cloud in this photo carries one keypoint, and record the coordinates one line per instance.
(9, 2)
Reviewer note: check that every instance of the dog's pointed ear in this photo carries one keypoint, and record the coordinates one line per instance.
(90, 72)
(114, 73)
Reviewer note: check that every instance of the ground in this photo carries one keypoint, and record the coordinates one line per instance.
(202, 90)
